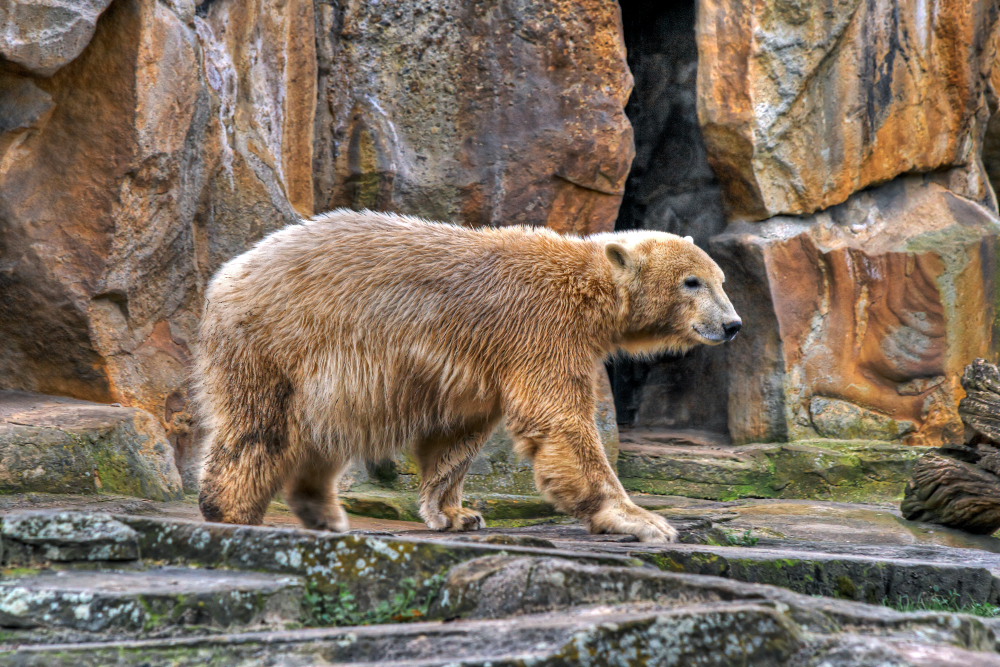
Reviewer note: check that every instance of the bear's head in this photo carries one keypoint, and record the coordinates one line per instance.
(673, 293)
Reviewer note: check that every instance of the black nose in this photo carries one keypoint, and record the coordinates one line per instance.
(732, 328)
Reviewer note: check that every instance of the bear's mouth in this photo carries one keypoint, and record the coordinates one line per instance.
(711, 340)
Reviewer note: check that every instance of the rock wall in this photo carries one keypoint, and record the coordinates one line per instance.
(130, 168)
(802, 108)
(854, 149)
(864, 314)
(485, 112)
(142, 143)
(860, 317)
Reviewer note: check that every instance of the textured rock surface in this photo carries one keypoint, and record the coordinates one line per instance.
(487, 113)
(798, 520)
(834, 418)
(952, 489)
(879, 302)
(802, 108)
(165, 165)
(980, 409)
(50, 444)
(818, 469)
(814, 521)
(800, 111)
(571, 598)
(30, 537)
(499, 586)
(184, 132)
(959, 485)
(880, 574)
(149, 601)
(621, 637)
(42, 36)
(382, 503)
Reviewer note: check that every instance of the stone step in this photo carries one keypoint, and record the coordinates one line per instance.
(863, 573)
(842, 470)
(41, 537)
(404, 505)
(158, 600)
(668, 637)
(545, 594)
(52, 444)
(720, 634)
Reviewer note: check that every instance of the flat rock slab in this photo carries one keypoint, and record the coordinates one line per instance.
(404, 505)
(42, 536)
(147, 601)
(278, 513)
(791, 520)
(700, 638)
(841, 470)
(874, 574)
(613, 639)
(543, 595)
(695, 636)
(61, 445)
(872, 524)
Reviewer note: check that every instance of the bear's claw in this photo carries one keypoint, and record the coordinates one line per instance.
(630, 519)
(457, 519)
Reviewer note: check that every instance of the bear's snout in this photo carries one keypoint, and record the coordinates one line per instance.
(730, 329)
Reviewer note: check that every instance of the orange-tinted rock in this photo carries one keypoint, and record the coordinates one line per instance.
(483, 112)
(879, 302)
(171, 143)
(184, 132)
(802, 106)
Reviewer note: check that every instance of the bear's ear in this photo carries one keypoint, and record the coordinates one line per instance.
(619, 256)
(689, 239)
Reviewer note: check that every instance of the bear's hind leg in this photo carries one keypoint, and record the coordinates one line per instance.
(312, 493)
(238, 483)
(444, 460)
(249, 452)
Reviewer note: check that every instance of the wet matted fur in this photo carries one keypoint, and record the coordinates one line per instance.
(355, 334)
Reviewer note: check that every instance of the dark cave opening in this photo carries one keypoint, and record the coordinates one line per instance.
(671, 188)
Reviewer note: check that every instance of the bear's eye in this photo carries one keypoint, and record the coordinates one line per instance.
(692, 282)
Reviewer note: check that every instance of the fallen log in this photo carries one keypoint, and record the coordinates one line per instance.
(959, 485)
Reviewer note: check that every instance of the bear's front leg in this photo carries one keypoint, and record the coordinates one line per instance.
(573, 472)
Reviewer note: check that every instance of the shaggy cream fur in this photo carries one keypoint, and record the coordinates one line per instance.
(355, 334)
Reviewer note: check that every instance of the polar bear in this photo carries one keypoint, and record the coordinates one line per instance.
(354, 334)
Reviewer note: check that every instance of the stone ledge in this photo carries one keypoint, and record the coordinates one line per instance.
(52, 444)
(45, 536)
(404, 505)
(506, 604)
(843, 470)
(54, 603)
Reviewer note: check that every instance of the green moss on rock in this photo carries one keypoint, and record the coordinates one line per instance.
(843, 470)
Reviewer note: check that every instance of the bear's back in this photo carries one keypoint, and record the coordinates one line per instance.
(396, 279)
